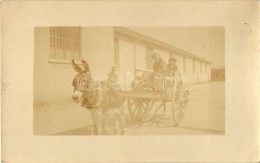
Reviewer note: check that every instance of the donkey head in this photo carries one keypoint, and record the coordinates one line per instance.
(81, 81)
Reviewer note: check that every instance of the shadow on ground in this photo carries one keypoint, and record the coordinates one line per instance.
(157, 122)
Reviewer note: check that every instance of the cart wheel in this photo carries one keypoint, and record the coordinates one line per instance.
(137, 109)
(177, 113)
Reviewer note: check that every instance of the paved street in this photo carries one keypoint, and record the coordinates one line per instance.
(205, 115)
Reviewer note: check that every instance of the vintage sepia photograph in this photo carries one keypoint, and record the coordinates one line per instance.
(127, 80)
(130, 81)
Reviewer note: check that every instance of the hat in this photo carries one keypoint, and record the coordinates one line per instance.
(172, 60)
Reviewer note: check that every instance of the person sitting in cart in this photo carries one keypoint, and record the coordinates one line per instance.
(172, 67)
(172, 71)
(159, 63)
(159, 70)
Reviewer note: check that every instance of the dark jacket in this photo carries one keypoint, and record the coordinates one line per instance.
(159, 66)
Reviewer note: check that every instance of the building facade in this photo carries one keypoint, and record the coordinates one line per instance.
(132, 51)
(102, 48)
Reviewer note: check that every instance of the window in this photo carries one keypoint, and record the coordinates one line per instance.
(184, 64)
(200, 67)
(194, 67)
(116, 53)
(65, 44)
(140, 57)
(149, 60)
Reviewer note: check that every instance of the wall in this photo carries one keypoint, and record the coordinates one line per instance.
(199, 75)
(52, 81)
(130, 44)
(126, 62)
(98, 49)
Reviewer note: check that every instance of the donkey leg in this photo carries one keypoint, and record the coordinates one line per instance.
(99, 120)
(116, 130)
(104, 124)
(121, 120)
(94, 119)
(95, 130)
(122, 126)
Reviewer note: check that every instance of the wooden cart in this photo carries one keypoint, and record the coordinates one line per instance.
(141, 102)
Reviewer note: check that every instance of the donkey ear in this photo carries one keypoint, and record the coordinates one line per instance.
(85, 65)
(76, 67)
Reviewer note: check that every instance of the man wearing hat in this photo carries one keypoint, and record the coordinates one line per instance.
(159, 70)
(159, 64)
(172, 67)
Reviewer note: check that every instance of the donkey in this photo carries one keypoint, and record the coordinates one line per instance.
(100, 102)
